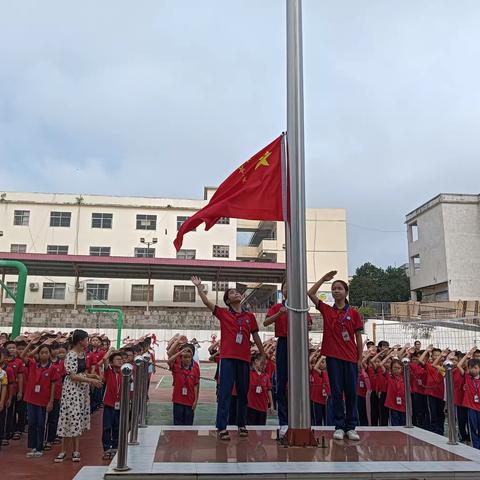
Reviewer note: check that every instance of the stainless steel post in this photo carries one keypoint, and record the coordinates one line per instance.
(451, 411)
(143, 411)
(124, 407)
(408, 393)
(299, 421)
(137, 393)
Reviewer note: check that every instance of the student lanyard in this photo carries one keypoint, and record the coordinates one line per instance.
(117, 384)
(476, 383)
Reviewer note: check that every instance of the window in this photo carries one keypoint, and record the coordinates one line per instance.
(21, 218)
(219, 286)
(60, 219)
(139, 293)
(414, 231)
(100, 251)
(221, 251)
(146, 222)
(142, 252)
(181, 221)
(57, 249)
(102, 220)
(54, 291)
(97, 291)
(223, 221)
(186, 254)
(416, 263)
(12, 286)
(183, 293)
(18, 248)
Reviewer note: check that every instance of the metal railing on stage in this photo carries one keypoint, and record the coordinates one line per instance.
(134, 408)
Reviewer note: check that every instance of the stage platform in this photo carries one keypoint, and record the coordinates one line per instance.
(169, 452)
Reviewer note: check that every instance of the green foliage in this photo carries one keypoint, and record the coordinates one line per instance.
(371, 283)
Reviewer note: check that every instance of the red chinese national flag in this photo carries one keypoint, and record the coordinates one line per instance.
(252, 192)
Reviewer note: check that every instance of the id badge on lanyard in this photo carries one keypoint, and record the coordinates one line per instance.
(239, 337)
(258, 389)
(117, 406)
(399, 400)
(345, 334)
(476, 398)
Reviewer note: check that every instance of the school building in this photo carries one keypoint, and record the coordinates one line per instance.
(99, 225)
(444, 248)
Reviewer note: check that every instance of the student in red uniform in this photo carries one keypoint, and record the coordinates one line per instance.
(16, 363)
(39, 394)
(59, 351)
(434, 387)
(186, 383)
(471, 397)
(421, 415)
(372, 364)
(458, 394)
(112, 379)
(6, 393)
(21, 406)
(342, 345)
(236, 327)
(319, 390)
(95, 357)
(363, 387)
(259, 392)
(395, 400)
(278, 315)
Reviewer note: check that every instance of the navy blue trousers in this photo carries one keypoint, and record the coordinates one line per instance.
(36, 426)
(233, 372)
(343, 381)
(281, 359)
(397, 419)
(182, 414)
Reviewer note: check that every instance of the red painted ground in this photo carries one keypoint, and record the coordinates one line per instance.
(15, 466)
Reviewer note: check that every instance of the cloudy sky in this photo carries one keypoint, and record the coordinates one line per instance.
(160, 98)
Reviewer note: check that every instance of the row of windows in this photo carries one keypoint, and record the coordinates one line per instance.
(99, 220)
(218, 251)
(139, 293)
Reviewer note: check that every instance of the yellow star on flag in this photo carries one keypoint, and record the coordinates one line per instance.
(263, 162)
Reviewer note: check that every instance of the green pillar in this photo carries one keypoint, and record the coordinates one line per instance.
(20, 295)
(119, 313)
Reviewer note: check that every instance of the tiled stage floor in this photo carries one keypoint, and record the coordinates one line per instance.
(382, 453)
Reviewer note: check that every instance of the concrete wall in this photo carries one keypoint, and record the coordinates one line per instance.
(431, 248)
(462, 243)
(176, 319)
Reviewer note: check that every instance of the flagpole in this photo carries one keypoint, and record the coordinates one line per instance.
(299, 422)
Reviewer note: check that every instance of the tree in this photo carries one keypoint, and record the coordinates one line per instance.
(372, 283)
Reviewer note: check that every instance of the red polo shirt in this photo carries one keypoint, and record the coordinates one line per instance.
(395, 393)
(258, 391)
(281, 324)
(319, 386)
(458, 387)
(363, 384)
(270, 368)
(17, 366)
(10, 376)
(113, 385)
(184, 378)
(372, 376)
(335, 322)
(417, 378)
(95, 358)
(235, 325)
(472, 392)
(39, 383)
(434, 385)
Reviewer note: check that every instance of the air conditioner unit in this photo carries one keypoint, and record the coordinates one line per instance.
(34, 287)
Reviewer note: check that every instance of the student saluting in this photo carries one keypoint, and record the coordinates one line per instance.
(236, 327)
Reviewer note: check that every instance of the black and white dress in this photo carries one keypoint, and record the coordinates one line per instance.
(75, 404)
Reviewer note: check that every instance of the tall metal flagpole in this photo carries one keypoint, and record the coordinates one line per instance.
(299, 422)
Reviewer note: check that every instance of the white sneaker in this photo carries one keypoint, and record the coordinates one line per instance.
(283, 431)
(34, 454)
(339, 434)
(353, 435)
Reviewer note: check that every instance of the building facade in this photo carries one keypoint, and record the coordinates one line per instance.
(100, 225)
(444, 248)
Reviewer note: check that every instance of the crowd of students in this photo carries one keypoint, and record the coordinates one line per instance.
(50, 383)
